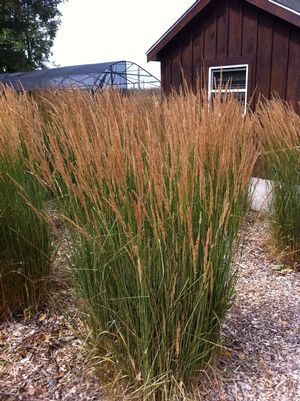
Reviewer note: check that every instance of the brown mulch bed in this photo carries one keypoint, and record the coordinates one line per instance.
(42, 358)
(262, 330)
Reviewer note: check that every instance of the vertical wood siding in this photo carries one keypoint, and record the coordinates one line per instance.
(186, 57)
(235, 28)
(232, 31)
(293, 79)
(264, 55)
(280, 55)
(222, 30)
(197, 44)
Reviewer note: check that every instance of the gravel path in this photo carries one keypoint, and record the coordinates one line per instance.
(42, 359)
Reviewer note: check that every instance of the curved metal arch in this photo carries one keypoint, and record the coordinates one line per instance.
(108, 70)
(133, 75)
(123, 74)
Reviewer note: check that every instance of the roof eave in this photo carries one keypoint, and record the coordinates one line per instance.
(152, 53)
(198, 6)
(278, 11)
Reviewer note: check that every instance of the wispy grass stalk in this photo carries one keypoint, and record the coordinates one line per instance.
(155, 193)
(279, 129)
(25, 249)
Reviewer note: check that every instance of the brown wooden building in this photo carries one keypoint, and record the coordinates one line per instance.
(254, 43)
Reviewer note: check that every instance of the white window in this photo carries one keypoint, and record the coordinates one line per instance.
(230, 78)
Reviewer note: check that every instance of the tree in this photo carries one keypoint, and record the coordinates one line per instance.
(27, 32)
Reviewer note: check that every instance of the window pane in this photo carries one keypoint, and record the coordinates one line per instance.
(235, 78)
(240, 96)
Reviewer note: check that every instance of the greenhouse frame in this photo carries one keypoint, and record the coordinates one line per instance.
(123, 75)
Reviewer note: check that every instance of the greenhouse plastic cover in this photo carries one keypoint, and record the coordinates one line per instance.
(87, 76)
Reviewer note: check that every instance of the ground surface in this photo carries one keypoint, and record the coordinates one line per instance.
(42, 358)
(262, 330)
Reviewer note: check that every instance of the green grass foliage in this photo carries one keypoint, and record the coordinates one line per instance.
(155, 194)
(25, 249)
(279, 129)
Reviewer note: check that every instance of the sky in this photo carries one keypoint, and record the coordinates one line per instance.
(95, 31)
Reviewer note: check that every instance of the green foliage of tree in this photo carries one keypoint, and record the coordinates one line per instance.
(27, 32)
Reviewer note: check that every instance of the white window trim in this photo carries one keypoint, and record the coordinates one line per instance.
(285, 7)
(228, 67)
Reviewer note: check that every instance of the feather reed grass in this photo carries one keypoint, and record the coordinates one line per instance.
(279, 130)
(24, 247)
(154, 193)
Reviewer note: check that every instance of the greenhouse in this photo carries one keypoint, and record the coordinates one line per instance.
(124, 75)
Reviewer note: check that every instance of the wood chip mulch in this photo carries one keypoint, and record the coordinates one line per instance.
(262, 330)
(42, 358)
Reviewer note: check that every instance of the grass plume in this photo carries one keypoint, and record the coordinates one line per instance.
(155, 193)
(279, 129)
(24, 247)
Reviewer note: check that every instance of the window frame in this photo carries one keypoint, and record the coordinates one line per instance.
(228, 67)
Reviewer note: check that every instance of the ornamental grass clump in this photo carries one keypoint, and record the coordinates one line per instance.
(25, 249)
(279, 129)
(155, 193)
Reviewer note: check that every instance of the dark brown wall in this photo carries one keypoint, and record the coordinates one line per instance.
(234, 32)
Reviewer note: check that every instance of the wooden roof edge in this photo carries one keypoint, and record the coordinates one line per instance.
(175, 28)
(199, 5)
(277, 10)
